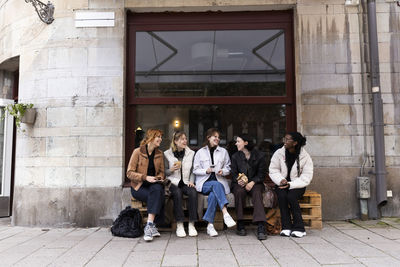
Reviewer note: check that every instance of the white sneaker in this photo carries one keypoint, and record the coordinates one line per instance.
(298, 234)
(228, 220)
(211, 230)
(192, 229)
(285, 233)
(180, 231)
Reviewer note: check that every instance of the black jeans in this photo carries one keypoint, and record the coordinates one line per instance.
(289, 207)
(177, 193)
(257, 198)
(153, 194)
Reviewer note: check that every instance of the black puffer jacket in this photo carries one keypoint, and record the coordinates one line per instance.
(255, 168)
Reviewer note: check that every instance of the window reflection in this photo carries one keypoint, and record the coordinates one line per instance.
(210, 63)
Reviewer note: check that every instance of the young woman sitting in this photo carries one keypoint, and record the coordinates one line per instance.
(179, 170)
(211, 164)
(146, 172)
(291, 169)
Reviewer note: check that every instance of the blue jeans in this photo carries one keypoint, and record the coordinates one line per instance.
(216, 196)
(153, 195)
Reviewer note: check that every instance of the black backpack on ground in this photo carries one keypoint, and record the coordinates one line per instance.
(128, 223)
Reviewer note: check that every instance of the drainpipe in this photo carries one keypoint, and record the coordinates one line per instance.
(377, 108)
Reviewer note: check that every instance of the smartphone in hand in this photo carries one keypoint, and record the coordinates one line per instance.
(212, 166)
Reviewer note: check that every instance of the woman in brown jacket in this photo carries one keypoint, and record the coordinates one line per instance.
(146, 172)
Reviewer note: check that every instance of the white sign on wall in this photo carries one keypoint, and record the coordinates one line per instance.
(85, 19)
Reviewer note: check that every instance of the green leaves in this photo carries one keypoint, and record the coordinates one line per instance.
(17, 110)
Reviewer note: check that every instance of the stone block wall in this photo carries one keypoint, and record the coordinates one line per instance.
(334, 99)
(70, 162)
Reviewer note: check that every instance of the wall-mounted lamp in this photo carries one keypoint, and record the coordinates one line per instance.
(352, 2)
(45, 12)
(177, 123)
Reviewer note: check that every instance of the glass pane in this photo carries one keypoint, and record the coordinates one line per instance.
(210, 63)
(266, 123)
(2, 122)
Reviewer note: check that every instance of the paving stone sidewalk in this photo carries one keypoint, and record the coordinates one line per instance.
(356, 243)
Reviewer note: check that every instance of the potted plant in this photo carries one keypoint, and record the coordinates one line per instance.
(24, 113)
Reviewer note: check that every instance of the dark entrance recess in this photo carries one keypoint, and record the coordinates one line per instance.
(192, 71)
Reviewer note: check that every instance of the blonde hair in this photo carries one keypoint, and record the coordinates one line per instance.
(176, 137)
(151, 134)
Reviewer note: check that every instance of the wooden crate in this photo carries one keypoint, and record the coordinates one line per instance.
(310, 206)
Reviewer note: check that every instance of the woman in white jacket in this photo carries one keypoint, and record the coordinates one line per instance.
(179, 170)
(291, 169)
(211, 164)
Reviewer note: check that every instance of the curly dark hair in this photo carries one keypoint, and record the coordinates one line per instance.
(301, 141)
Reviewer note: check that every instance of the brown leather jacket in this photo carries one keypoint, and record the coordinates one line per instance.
(137, 167)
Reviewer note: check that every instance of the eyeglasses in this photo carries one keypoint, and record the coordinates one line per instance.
(285, 140)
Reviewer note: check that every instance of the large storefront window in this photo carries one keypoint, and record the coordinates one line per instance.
(267, 124)
(193, 71)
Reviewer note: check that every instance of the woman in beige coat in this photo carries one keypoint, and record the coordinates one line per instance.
(146, 172)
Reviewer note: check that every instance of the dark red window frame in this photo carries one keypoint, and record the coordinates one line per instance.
(207, 21)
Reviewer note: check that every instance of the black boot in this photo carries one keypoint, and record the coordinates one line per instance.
(240, 228)
(261, 231)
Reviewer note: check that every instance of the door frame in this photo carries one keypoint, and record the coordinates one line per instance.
(6, 175)
(207, 21)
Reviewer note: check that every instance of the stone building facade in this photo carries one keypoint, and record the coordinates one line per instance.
(70, 164)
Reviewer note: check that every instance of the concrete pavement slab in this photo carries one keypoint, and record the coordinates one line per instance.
(288, 253)
(10, 231)
(365, 235)
(25, 249)
(249, 239)
(114, 253)
(85, 250)
(179, 260)
(358, 249)
(253, 255)
(392, 221)
(388, 232)
(214, 258)
(71, 239)
(337, 244)
(328, 254)
(295, 257)
(41, 257)
(220, 242)
(379, 262)
(144, 258)
(19, 238)
(310, 239)
(332, 235)
(158, 244)
(181, 248)
(389, 247)
(343, 225)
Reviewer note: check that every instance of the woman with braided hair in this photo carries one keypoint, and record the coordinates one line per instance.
(291, 169)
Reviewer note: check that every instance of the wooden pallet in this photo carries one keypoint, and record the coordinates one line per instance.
(310, 206)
